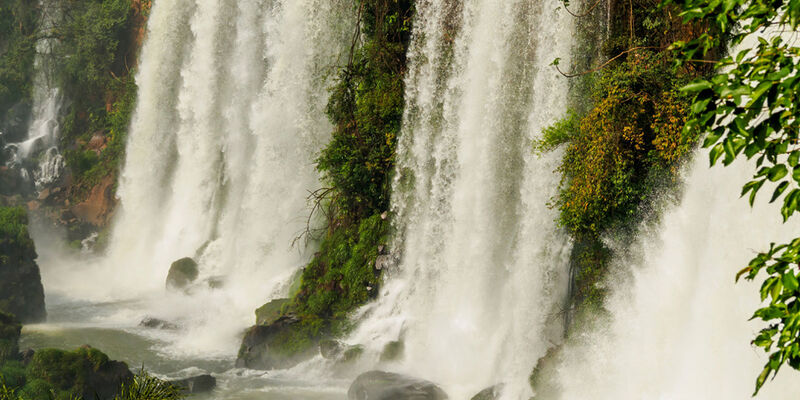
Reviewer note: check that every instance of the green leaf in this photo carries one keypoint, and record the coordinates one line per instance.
(777, 173)
(696, 86)
(779, 190)
(790, 281)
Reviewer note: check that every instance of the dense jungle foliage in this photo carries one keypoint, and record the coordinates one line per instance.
(18, 24)
(627, 143)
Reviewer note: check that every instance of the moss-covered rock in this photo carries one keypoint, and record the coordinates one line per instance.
(9, 337)
(84, 372)
(392, 351)
(182, 273)
(21, 291)
(490, 393)
(270, 312)
(281, 344)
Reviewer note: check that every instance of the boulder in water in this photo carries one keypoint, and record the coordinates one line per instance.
(21, 291)
(196, 384)
(490, 393)
(281, 344)
(155, 323)
(330, 349)
(379, 385)
(270, 312)
(10, 329)
(181, 273)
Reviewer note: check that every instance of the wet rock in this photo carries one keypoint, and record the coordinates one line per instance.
(490, 393)
(21, 291)
(383, 262)
(181, 273)
(155, 323)
(10, 329)
(379, 385)
(330, 349)
(279, 345)
(196, 384)
(215, 282)
(392, 351)
(99, 206)
(270, 312)
(352, 353)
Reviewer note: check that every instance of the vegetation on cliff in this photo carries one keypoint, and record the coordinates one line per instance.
(98, 45)
(627, 143)
(18, 25)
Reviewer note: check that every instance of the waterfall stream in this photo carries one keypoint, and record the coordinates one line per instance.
(229, 119)
(481, 276)
(220, 161)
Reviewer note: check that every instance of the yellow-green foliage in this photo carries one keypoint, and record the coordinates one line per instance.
(632, 132)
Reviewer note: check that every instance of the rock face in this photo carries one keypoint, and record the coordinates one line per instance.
(182, 273)
(281, 344)
(379, 385)
(10, 329)
(196, 384)
(21, 291)
(85, 372)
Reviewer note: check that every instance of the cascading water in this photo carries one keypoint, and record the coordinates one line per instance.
(42, 138)
(481, 275)
(679, 326)
(219, 163)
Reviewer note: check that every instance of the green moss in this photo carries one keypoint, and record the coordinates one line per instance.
(65, 372)
(9, 337)
(14, 232)
(342, 275)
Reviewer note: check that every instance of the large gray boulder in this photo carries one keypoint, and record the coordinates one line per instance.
(182, 273)
(379, 385)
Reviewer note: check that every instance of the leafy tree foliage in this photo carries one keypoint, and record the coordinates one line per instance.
(750, 109)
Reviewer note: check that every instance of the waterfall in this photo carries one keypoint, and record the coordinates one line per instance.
(679, 326)
(220, 159)
(43, 132)
(477, 293)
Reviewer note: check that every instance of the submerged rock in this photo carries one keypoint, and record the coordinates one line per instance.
(196, 384)
(281, 344)
(330, 349)
(10, 329)
(21, 291)
(181, 273)
(379, 385)
(155, 323)
(270, 312)
(490, 393)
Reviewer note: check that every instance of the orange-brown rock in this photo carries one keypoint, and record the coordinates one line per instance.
(99, 206)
